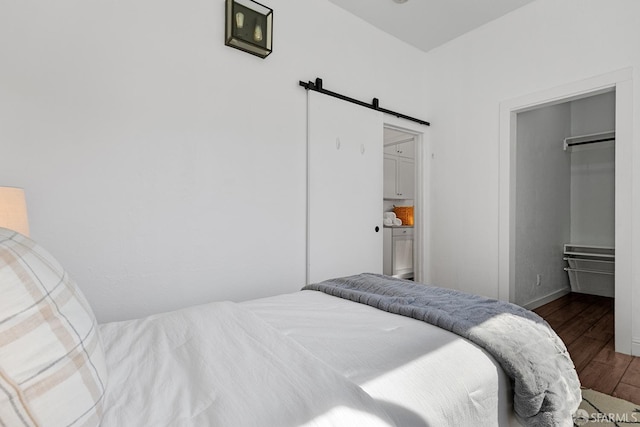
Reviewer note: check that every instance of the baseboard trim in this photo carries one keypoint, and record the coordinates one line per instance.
(635, 347)
(532, 305)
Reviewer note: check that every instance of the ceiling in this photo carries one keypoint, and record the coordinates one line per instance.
(427, 24)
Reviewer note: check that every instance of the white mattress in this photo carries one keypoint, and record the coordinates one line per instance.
(421, 374)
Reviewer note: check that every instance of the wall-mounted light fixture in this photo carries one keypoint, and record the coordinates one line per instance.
(249, 27)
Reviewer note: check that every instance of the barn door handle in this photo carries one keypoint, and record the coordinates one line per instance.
(377, 228)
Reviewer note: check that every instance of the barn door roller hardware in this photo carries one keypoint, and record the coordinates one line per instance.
(374, 105)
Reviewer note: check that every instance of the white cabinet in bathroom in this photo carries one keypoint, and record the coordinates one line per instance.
(404, 149)
(398, 252)
(399, 171)
(390, 171)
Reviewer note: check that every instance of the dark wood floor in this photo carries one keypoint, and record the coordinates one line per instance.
(585, 324)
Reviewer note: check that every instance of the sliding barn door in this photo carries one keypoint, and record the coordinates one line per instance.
(345, 166)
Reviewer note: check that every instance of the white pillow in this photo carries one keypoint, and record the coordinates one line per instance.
(52, 366)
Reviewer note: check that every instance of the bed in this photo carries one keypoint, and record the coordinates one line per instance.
(331, 354)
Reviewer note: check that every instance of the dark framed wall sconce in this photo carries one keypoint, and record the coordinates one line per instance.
(249, 27)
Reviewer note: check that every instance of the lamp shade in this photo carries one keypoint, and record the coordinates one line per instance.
(13, 210)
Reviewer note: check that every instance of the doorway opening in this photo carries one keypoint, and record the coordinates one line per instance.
(620, 82)
(404, 226)
(565, 200)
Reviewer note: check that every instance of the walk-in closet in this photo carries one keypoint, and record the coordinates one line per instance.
(565, 200)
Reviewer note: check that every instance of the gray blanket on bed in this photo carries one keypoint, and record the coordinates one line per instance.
(545, 382)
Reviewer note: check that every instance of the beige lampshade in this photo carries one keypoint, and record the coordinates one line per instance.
(13, 210)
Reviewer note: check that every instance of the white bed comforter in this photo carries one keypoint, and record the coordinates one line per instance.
(220, 365)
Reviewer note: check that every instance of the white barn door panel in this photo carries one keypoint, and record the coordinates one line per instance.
(345, 181)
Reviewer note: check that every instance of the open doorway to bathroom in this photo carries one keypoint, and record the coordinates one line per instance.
(399, 204)
(565, 200)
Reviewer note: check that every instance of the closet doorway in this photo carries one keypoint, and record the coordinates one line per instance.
(621, 83)
(565, 200)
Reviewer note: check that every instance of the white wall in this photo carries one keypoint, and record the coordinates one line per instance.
(544, 45)
(593, 173)
(593, 195)
(163, 168)
(543, 216)
(593, 114)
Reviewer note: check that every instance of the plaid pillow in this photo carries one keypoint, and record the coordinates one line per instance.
(52, 368)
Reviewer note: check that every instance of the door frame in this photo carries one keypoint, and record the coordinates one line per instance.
(422, 229)
(626, 237)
